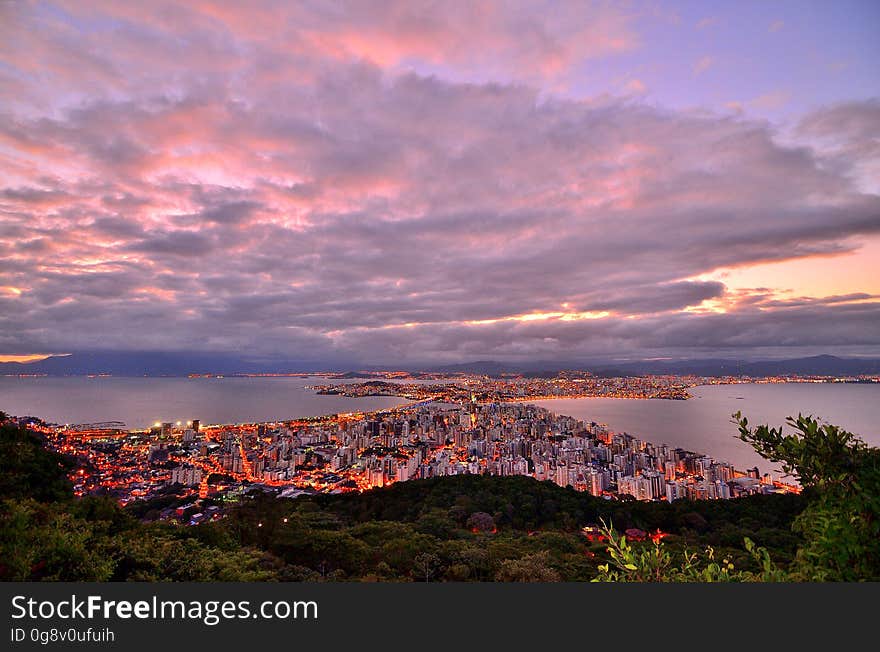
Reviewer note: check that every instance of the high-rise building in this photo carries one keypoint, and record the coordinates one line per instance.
(186, 475)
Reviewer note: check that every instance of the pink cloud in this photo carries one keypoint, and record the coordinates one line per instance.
(281, 177)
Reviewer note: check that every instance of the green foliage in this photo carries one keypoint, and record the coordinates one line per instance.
(481, 522)
(46, 542)
(426, 564)
(542, 506)
(655, 562)
(28, 470)
(47, 535)
(841, 477)
(536, 567)
(162, 557)
(839, 525)
(463, 528)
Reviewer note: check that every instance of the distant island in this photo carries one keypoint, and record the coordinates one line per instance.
(485, 389)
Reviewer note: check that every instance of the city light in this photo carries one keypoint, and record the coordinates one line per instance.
(465, 425)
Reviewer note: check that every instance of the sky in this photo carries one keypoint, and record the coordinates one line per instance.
(404, 182)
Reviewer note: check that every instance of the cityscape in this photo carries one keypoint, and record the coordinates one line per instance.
(573, 384)
(472, 425)
(538, 291)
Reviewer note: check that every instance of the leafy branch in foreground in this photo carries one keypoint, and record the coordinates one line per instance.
(840, 475)
(840, 526)
(655, 563)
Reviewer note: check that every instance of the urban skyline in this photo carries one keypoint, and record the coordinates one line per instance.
(413, 291)
(358, 451)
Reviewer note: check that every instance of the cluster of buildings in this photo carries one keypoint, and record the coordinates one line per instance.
(355, 452)
(565, 384)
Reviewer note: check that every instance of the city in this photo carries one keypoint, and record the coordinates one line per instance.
(542, 291)
(570, 384)
(361, 451)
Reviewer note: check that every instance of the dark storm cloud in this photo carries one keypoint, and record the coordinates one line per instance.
(117, 227)
(658, 298)
(176, 243)
(33, 195)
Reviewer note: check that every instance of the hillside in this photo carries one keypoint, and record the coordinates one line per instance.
(476, 528)
(456, 528)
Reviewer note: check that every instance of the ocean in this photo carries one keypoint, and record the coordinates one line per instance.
(701, 424)
(140, 402)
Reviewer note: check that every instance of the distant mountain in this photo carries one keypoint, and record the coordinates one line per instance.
(707, 367)
(182, 364)
(532, 368)
(820, 365)
(486, 367)
(354, 374)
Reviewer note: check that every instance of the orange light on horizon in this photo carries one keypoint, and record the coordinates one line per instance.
(29, 357)
(815, 275)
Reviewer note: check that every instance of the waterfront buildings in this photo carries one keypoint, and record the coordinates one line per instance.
(355, 452)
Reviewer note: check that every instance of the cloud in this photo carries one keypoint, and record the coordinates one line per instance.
(486, 39)
(847, 136)
(709, 21)
(703, 64)
(635, 87)
(342, 182)
(177, 243)
(770, 101)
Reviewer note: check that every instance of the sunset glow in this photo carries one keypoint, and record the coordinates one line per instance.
(390, 182)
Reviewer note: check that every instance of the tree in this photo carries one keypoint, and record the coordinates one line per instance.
(530, 568)
(477, 561)
(481, 522)
(27, 470)
(840, 525)
(840, 475)
(426, 563)
(46, 542)
(655, 563)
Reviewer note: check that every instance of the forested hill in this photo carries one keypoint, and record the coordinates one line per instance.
(525, 504)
